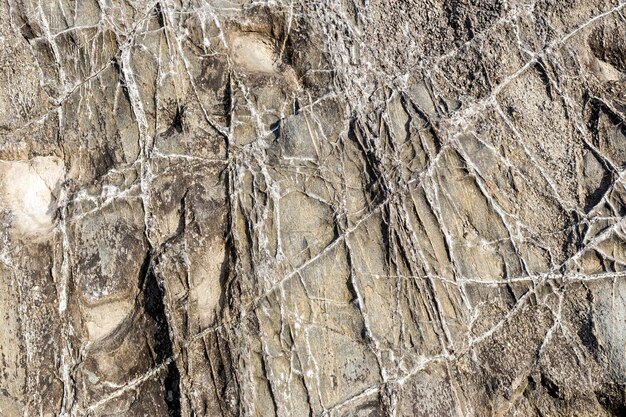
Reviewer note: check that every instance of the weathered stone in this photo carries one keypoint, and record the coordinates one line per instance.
(296, 208)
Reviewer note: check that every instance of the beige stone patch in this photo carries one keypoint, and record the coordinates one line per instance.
(607, 72)
(28, 190)
(102, 320)
(9, 407)
(206, 291)
(254, 53)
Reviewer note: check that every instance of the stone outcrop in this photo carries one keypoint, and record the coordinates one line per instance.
(313, 208)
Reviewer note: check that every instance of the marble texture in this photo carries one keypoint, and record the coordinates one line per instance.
(358, 208)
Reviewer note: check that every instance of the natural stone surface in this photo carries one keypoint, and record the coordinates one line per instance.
(313, 208)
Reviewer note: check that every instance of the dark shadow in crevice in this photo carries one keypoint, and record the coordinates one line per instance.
(154, 308)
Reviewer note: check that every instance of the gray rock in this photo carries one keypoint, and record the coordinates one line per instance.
(294, 208)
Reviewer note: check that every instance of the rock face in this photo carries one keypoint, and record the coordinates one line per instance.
(295, 208)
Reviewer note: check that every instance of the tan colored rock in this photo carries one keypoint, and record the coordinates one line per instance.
(294, 208)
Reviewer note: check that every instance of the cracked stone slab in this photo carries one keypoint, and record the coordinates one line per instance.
(312, 208)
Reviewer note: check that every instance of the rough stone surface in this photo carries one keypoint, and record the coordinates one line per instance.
(313, 208)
